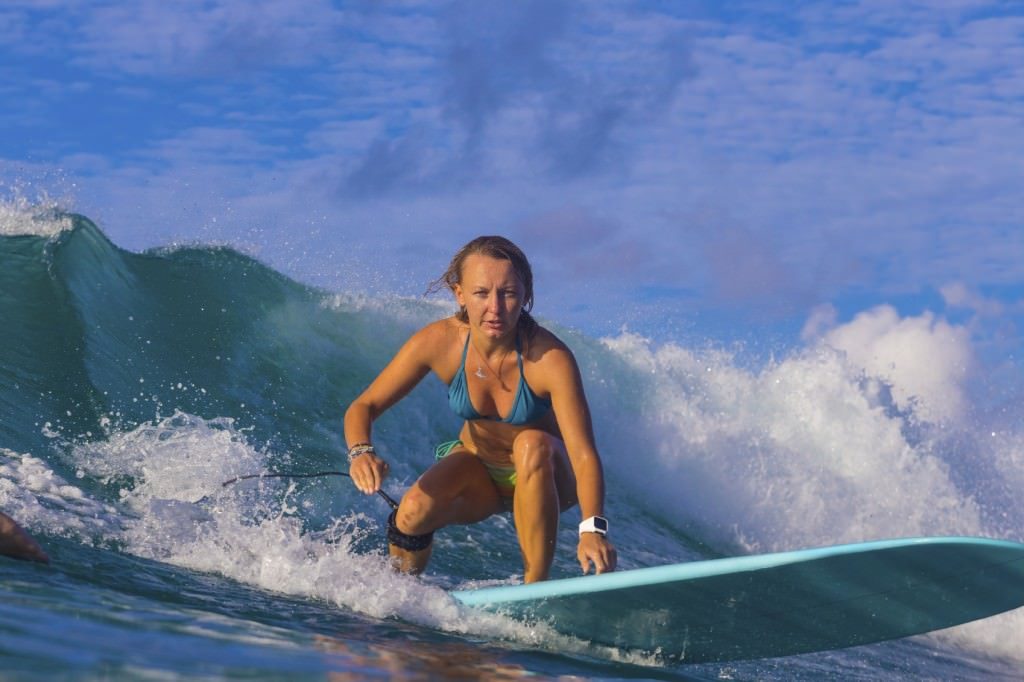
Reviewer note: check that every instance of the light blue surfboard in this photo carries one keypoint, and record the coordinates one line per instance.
(777, 604)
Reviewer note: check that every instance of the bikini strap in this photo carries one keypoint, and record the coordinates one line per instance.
(519, 353)
(465, 350)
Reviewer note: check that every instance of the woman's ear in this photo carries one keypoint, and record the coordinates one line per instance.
(459, 296)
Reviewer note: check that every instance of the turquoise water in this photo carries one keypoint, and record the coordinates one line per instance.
(132, 385)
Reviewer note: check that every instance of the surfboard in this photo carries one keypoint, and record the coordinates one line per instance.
(780, 604)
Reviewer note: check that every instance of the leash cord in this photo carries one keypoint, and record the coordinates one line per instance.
(387, 498)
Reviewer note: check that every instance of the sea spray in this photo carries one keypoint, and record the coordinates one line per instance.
(257, 533)
(44, 502)
(21, 217)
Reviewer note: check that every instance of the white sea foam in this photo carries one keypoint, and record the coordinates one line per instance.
(42, 218)
(862, 435)
(410, 311)
(998, 636)
(42, 501)
(178, 458)
(178, 512)
(804, 452)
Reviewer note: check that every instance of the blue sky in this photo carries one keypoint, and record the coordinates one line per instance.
(685, 169)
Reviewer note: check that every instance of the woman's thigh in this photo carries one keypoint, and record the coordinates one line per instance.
(460, 490)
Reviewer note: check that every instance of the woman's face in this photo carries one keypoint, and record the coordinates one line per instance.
(492, 294)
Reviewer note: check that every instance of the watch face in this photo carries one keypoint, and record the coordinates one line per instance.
(601, 524)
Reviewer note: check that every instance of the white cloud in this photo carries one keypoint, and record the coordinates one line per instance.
(822, 318)
(959, 295)
(206, 37)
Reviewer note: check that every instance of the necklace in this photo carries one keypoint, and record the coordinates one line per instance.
(480, 373)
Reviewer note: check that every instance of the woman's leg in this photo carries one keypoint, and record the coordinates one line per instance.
(545, 486)
(456, 490)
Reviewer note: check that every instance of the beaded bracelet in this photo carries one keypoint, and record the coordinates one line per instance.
(359, 449)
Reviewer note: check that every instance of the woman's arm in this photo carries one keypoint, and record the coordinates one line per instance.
(412, 362)
(574, 422)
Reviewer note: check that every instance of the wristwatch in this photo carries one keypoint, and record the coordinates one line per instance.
(595, 524)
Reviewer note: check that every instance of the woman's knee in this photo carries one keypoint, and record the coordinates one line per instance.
(534, 453)
(455, 490)
(414, 510)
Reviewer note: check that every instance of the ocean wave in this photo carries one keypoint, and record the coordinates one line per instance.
(134, 383)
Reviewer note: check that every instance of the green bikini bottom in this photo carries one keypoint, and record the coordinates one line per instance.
(503, 477)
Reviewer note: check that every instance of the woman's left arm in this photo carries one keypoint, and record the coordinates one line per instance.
(573, 415)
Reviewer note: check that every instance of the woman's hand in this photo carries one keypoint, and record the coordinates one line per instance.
(595, 548)
(368, 472)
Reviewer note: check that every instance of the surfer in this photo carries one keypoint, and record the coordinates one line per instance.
(16, 543)
(527, 444)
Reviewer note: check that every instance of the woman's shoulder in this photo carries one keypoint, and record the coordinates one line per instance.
(551, 364)
(447, 326)
(544, 345)
(437, 336)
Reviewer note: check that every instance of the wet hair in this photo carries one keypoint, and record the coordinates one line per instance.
(501, 249)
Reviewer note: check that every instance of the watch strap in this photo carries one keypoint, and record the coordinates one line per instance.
(595, 524)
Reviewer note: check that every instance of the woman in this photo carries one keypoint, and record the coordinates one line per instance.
(527, 444)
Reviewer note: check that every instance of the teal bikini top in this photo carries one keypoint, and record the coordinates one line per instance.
(527, 407)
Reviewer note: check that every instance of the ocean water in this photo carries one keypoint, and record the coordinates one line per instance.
(133, 384)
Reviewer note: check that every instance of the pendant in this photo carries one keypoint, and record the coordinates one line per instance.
(480, 372)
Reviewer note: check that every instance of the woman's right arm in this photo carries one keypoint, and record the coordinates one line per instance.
(406, 369)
